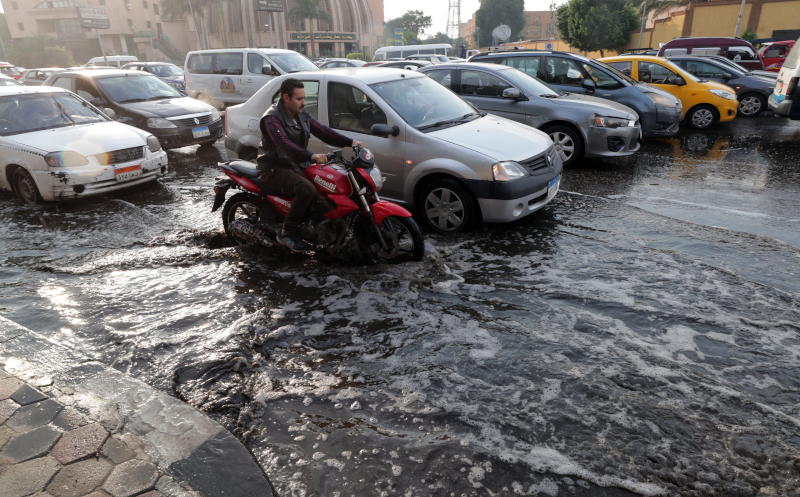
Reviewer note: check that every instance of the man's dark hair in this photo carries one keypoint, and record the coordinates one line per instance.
(288, 86)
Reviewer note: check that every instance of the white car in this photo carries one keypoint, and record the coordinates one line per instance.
(55, 146)
(452, 163)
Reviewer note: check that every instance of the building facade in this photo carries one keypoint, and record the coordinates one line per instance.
(142, 28)
(540, 25)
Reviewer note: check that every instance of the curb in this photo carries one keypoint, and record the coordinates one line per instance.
(182, 440)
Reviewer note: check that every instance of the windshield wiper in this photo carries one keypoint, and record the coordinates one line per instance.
(549, 95)
(462, 119)
(132, 100)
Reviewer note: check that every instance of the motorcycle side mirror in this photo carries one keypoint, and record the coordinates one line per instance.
(384, 130)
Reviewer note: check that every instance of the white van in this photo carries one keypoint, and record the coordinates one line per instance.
(404, 51)
(230, 76)
(111, 60)
(785, 99)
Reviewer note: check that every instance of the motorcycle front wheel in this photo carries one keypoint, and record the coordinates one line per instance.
(404, 240)
(249, 207)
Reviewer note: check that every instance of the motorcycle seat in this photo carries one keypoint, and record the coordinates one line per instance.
(245, 168)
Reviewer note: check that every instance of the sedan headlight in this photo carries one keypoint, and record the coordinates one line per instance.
(215, 115)
(724, 94)
(153, 144)
(507, 171)
(67, 158)
(662, 100)
(160, 123)
(611, 122)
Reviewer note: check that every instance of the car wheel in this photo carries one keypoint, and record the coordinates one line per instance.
(568, 142)
(751, 104)
(25, 187)
(446, 206)
(702, 116)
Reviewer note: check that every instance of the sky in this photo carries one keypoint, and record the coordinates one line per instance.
(437, 9)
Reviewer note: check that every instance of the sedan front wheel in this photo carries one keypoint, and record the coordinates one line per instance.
(447, 207)
(751, 104)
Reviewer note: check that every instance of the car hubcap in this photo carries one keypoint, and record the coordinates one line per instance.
(702, 118)
(564, 145)
(26, 189)
(445, 209)
(750, 106)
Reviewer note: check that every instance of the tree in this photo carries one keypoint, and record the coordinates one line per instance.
(438, 38)
(311, 10)
(591, 25)
(413, 23)
(493, 13)
(177, 9)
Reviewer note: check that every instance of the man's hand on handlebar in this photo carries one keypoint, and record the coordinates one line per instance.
(319, 158)
(357, 143)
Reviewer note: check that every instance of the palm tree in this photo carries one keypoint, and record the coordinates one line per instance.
(311, 10)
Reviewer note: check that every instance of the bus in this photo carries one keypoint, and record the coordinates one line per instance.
(403, 51)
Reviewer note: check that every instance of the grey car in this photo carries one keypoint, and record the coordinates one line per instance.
(659, 112)
(752, 91)
(579, 125)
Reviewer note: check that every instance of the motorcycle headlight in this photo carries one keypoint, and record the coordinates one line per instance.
(215, 115)
(153, 144)
(611, 122)
(377, 178)
(724, 94)
(67, 158)
(507, 171)
(160, 123)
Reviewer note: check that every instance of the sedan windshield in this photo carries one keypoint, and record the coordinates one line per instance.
(165, 70)
(424, 103)
(528, 84)
(8, 82)
(125, 89)
(292, 62)
(38, 111)
(617, 73)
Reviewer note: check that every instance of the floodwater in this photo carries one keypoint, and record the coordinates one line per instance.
(639, 336)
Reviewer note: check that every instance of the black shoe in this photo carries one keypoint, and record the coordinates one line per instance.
(292, 242)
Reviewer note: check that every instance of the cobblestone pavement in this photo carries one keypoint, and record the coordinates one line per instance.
(49, 450)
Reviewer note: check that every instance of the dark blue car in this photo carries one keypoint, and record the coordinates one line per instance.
(659, 112)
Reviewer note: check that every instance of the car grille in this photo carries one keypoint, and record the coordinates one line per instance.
(534, 163)
(192, 121)
(120, 156)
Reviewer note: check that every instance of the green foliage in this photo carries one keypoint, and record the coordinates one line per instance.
(591, 25)
(357, 56)
(438, 38)
(749, 35)
(493, 13)
(39, 52)
(311, 10)
(413, 23)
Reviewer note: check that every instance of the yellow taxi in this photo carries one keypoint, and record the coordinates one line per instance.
(705, 103)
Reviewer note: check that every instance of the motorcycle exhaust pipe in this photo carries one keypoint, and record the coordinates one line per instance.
(245, 230)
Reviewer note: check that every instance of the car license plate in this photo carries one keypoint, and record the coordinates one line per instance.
(127, 173)
(201, 132)
(553, 184)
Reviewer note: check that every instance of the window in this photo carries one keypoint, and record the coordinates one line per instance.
(227, 63)
(102, 2)
(650, 72)
(602, 79)
(562, 71)
(200, 64)
(149, 25)
(66, 83)
(312, 97)
(14, 6)
(703, 51)
(625, 68)
(255, 63)
(741, 53)
(775, 51)
(351, 109)
(703, 69)
(144, 3)
(130, 23)
(442, 76)
(481, 84)
(21, 26)
(85, 90)
(33, 112)
(155, 9)
(528, 65)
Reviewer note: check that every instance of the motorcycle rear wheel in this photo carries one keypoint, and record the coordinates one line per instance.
(404, 239)
(248, 206)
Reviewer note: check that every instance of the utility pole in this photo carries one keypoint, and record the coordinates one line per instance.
(453, 19)
(644, 21)
(247, 16)
(739, 21)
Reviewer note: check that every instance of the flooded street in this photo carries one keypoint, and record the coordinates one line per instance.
(639, 336)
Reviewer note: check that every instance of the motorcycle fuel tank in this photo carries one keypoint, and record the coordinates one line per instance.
(329, 179)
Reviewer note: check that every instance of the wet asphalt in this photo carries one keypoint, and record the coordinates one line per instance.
(639, 336)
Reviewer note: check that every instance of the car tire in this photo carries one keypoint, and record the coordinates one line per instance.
(702, 116)
(568, 142)
(446, 206)
(25, 187)
(752, 104)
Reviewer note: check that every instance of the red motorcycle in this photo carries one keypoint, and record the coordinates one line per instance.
(350, 222)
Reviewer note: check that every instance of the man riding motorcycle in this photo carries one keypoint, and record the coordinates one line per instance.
(285, 130)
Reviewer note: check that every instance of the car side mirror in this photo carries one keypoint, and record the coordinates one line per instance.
(110, 113)
(513, 94)
(266, 70)
(589, 85)
(676, 80)
(384, 130)
(97, 102)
